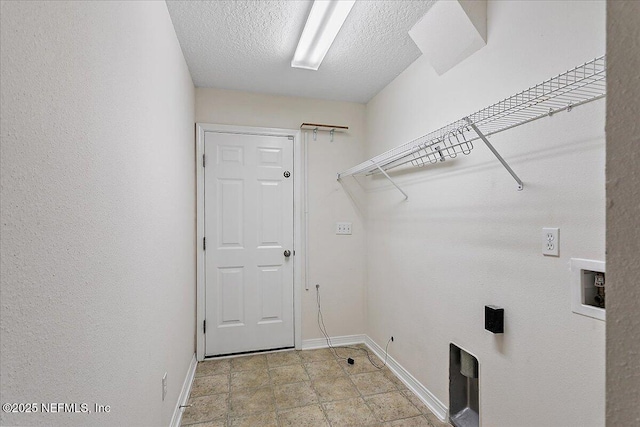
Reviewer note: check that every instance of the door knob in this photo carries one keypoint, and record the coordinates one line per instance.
(287, 253)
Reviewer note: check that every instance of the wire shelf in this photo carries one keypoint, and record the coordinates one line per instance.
(582, 84)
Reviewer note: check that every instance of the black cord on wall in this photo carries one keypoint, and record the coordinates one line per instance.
(323, 329)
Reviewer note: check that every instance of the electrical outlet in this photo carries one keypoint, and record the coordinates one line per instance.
(164, 386)
(343, 228)
(551, 241)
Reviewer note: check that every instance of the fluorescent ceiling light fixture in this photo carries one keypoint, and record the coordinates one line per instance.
(322, 27)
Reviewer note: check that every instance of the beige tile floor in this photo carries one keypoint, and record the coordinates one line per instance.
(302, 388)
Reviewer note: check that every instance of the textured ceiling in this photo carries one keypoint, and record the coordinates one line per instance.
(248, 45)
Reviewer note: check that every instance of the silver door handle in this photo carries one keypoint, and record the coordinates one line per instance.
(287, 253)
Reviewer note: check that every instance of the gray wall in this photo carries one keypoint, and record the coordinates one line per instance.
(98, 211)
(623, 213)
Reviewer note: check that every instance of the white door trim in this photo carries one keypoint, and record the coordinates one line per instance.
(298, 217)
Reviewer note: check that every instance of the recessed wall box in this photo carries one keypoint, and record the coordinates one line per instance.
(588, 287)
(494, 319)
(464, 388)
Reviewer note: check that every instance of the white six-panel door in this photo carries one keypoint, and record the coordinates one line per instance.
(248, 225)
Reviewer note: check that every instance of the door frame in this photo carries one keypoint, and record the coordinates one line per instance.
(299, 180)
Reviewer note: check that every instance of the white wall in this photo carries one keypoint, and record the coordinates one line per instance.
(98, 219)
(623, 213)
(335, 262)
(466, 237)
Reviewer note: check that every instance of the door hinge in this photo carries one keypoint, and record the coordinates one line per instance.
(204, 326)
(204, 243)
(203, 161)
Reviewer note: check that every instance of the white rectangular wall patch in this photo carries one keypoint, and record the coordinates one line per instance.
(450, 32)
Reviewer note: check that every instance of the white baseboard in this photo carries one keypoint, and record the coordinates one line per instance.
(438, 408)
(184, 393)
(429, 399)
(335, 341)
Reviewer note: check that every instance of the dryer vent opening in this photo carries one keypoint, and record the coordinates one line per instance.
(464, 388)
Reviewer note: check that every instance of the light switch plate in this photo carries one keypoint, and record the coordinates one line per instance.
(343, 228)
(551, 241)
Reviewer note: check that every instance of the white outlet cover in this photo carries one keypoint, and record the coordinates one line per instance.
(343, 228)
(551, 241)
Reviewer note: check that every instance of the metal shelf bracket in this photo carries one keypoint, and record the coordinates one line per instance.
(495, 153)
(389, 178)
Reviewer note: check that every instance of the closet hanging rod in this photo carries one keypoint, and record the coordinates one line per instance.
(328, 128)
(311, 126)
(582, 84)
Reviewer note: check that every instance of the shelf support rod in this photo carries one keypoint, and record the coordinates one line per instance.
(389, 178)
(495, 153)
